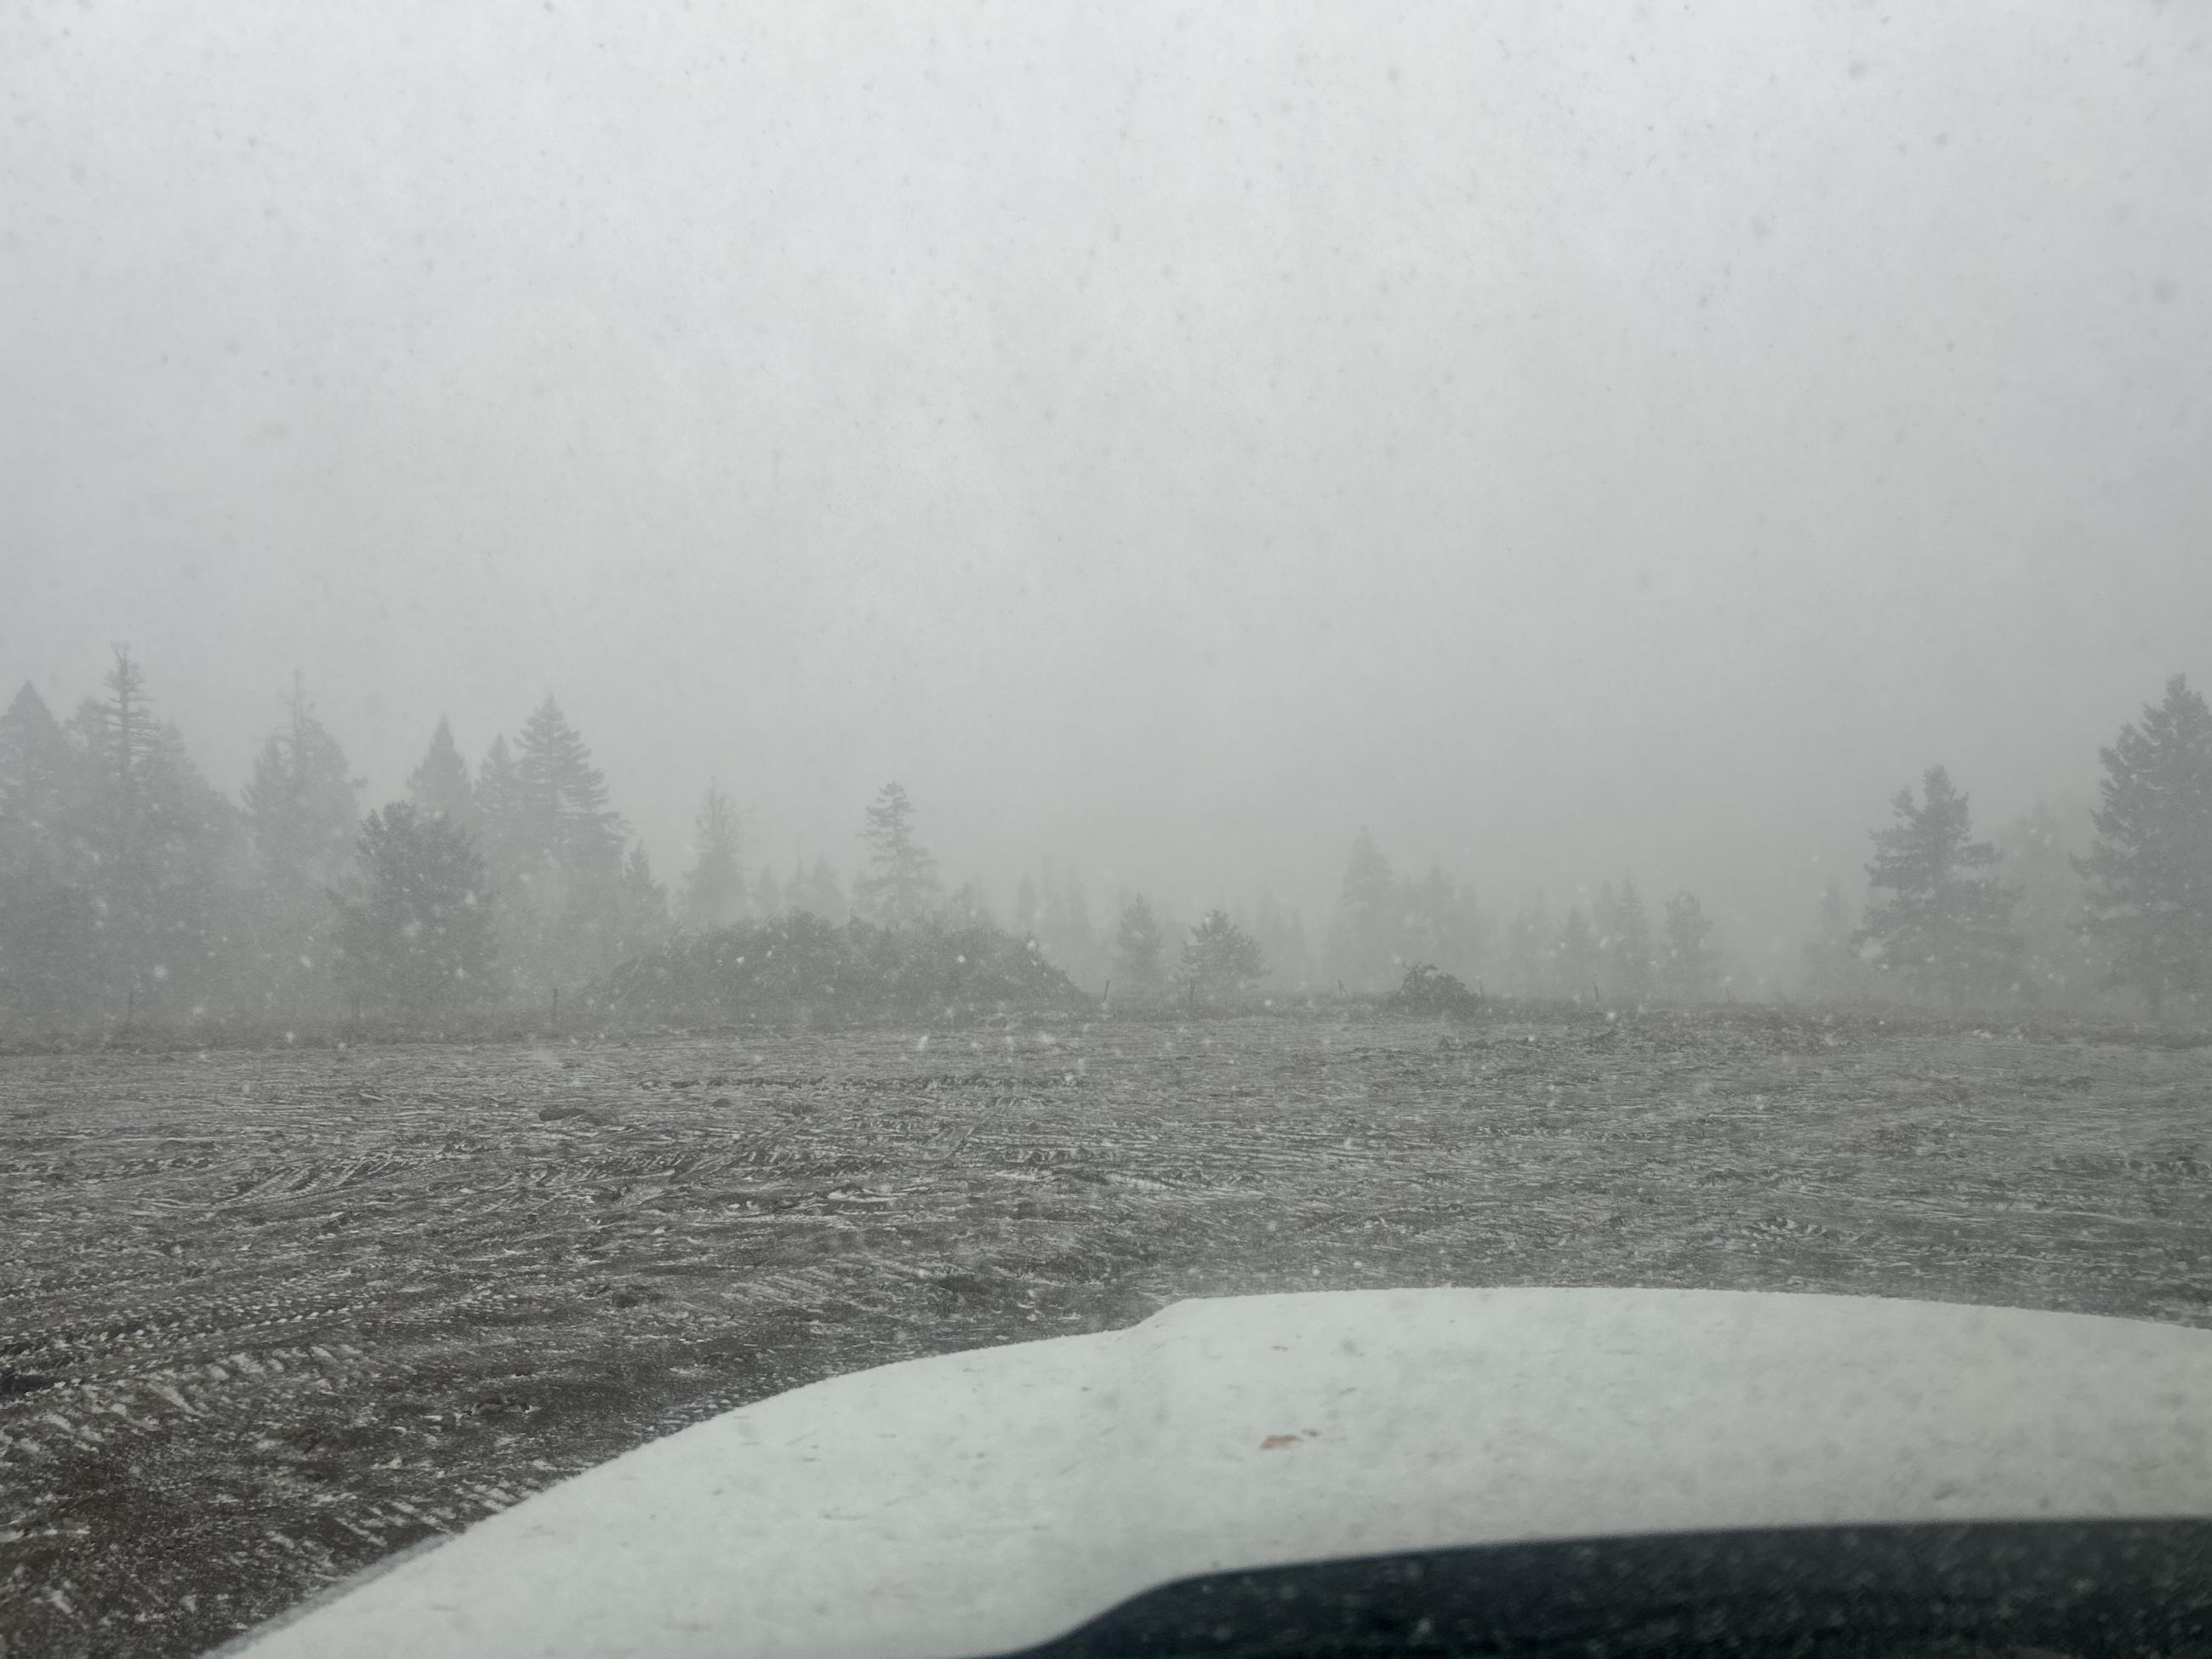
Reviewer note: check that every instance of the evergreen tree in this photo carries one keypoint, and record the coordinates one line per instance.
(644, 904)
(1220, 960)
(1834, 971)
(502, 839)
(2150, 871)
(570, 855)
(1529, 952)
(1441, 925)
(1579, 960)
(2064, 962)
(1626, 947)
(1944, 927)
(299, 804)
(1139, 961)
(820, 895)
(564, 796)
(968, 908)
(901, 885)
(301, 815)
(500, 819)
(49, 968)
(419, 939)
(440, 786)
(161, 848)
(1025, 909)
(1605, 917)
(715, 886)
(1065, 931)
(120, 731)
(769, 898)
(1689, 967)
(1282, 940)
(1364, 942)
(35, 780)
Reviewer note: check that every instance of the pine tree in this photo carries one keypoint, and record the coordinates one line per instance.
(768, 899)
(440, 786)
(301, 815)
(1441, 925)
(1529, 951)
(570, 852)
(901, 885)
(1364, 943)
(1834, 971)
(1626, 947)
(564, 796)
(48, 966)
(1282, 939)
(1689, 968)
(419, 939)
(1605, 917)
(715, 886)
(968, 908)
(2064, 961)
(121, 729)
(501, 814)
(1064, 931)
(1140, 964)
(299, 804)
(35, 780)
(1025, 908)
(821, 895)
(158, 842)
(1579, 960)
(1220, 960)
(2150, 870)
(1944, 927)
(644, 904)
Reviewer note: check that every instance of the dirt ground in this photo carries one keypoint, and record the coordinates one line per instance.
(267, 1316)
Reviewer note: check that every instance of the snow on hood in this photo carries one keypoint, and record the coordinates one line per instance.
(989, 1500)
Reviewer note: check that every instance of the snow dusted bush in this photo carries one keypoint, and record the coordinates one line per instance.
(797, 963)
(1430, 990)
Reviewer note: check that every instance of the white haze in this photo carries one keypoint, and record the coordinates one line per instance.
(1165, 437)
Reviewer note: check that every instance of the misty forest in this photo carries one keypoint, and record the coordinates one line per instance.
(138, 894)
(697, 697)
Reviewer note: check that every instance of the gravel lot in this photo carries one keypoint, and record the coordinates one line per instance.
(265, 1317)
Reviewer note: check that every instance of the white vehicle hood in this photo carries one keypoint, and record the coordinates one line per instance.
(989, 1500)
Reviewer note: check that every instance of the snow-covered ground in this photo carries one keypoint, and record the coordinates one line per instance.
(264, 1317)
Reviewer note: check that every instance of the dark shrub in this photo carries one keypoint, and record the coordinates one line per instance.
(1427, 989)
(796, 964)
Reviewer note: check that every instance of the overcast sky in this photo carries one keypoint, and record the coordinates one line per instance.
(1164, 436)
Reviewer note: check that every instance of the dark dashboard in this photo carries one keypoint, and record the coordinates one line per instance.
(2031, 1587)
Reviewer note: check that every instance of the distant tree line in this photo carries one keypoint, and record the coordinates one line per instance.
(2026, 918)
(1608, 948)
(133, 892)
(131, 889)
(2050, 914)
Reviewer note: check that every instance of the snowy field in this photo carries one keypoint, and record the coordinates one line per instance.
(265, 1317)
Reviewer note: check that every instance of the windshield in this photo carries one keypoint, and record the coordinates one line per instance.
(701, 696)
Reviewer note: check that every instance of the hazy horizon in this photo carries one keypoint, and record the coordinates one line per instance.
(1166, 443)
